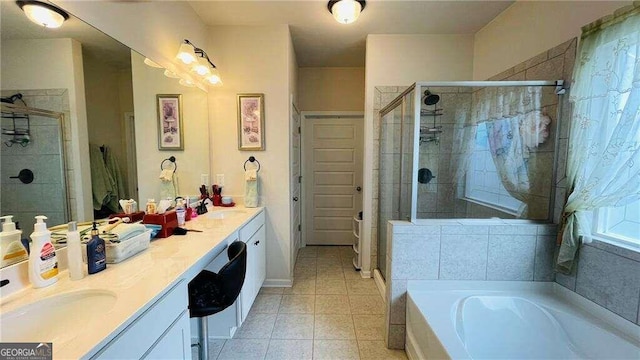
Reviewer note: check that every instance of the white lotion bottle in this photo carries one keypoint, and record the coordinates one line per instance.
(11, 249)
(43, 263)
(74, 252)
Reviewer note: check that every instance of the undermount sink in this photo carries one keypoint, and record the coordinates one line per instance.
(50, 319)
(224, 214)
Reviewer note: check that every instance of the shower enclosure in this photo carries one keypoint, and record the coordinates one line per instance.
(480, 149)
(32, 160)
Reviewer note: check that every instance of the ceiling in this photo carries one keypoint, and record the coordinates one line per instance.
(320, 41)
(15, 25)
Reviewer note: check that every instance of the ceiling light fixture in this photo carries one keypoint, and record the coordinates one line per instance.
(201, 64)
(186, 82)
(171, 74)
(346, 11)
(43, 14)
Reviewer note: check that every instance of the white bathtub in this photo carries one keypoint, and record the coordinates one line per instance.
(512, 320)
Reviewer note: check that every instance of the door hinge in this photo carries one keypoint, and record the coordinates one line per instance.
(300, 179)
(299, 130)
(299, 227)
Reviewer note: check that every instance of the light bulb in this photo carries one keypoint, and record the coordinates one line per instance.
(170, 74)
(214, 78)
(201, 67)
(186, 54)
(187, 83)
(151, 63)
(346, 11)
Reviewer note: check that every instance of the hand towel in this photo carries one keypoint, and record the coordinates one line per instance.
(166, 175)
(251, 175)
(251, 188)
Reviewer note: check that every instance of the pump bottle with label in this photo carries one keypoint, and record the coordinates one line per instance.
(11, 249)
(43, 263)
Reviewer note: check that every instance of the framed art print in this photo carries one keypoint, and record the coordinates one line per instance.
(251, 121)
(170, 131)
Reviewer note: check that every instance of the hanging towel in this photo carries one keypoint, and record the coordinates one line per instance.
(169, 188)
(103, 185)
(166, 175)
(114, 169)
(251, 175)
(251, 188)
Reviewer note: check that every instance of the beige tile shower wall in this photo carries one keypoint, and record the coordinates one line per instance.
(462, 250)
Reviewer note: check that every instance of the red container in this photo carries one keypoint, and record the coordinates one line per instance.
(136, 216)
(168, 220)
(188, 213)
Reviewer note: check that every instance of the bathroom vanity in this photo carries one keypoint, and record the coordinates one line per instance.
(139, 308)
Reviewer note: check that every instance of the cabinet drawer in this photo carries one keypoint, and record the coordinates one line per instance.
(137, 338)
(248, 230)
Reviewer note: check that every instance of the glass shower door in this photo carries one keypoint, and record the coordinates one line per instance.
(389, 186)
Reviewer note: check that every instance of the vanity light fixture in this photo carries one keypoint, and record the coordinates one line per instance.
(186, 53)
(187, 83)
(201, 64)
(152, 63)
(171, 74)
(346, 11)
(43, 14)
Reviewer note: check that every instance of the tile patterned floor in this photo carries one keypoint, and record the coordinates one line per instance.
(331, 312)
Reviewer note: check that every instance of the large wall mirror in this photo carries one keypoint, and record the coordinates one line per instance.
(80, 124)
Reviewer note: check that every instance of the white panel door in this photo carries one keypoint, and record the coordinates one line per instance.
(332, 178)
(296, 196)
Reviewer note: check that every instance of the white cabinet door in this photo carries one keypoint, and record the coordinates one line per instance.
(175, 343)
(248, 288)
(259, 242)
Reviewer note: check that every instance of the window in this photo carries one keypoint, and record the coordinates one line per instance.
(483, 184)
(619, 225)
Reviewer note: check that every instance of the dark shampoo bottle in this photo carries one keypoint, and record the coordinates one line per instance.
(96, 252)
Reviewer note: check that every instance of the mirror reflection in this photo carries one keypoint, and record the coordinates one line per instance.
(71, 145)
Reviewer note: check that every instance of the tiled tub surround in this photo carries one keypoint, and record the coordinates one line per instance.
(461, 250)
(42, 155)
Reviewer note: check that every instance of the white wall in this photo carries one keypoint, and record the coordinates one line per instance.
(528, 28)
(255, 60)
(56, 64)
(194, 160)
(106, 106)
(155, 29)
(393, 60)
(331, 89)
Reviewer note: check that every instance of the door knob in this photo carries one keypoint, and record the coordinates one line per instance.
(295, 198)
(256, 243)
(358, 188)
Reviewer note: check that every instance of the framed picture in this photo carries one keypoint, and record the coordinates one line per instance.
(251, 121)
(170, 132)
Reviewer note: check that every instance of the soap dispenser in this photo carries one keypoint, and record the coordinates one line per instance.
(43, 263)
(11, 248)
(96, 252)
(74, 252)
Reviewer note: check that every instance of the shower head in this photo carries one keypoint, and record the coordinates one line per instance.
(430, 98)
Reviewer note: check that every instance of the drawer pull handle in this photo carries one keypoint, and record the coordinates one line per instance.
(256, 243)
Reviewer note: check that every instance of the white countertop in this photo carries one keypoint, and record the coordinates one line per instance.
(137, 282)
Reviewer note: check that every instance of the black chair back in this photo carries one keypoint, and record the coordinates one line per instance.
(232, 274)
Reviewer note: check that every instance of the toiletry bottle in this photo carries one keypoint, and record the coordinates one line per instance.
(43, 263)
(96, 252)
(151, 206)
(11, 248)
(74, 252)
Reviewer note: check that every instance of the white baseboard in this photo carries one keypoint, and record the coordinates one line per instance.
(232, 331)
(365, 274)
(382, 286)
(278, 283)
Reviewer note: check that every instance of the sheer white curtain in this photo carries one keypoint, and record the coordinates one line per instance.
(515, 126)
(603, 168)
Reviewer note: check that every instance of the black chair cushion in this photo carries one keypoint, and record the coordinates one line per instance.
(210, 292)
